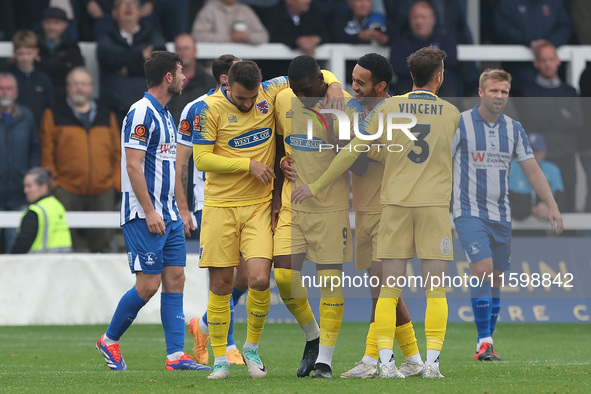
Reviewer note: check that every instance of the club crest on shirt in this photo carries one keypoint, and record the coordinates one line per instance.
(185, 128)
(263, 107)
(139, 133)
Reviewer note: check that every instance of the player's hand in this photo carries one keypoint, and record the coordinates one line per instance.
(261, 171)
(555, 219)
(275, 208)
(155, 223)
(288, 169)
(187, 221)
(334, 98)
(300, 194)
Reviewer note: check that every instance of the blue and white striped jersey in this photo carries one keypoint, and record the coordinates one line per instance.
(149, 127)
(185, 137)
(482, 156)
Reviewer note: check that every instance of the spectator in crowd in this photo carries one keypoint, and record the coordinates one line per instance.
(44, 228)
(97, 17)
(526, 22)
(359, 25)
(259, 6)
(197, 80)
(524, 200)
(422, 24)
(559, 121)
(297, 24)
(7, 25)
(35, 90)
(19, 151)
(81, 148)
(228, 21)
(172, 17)
(58, 54)
(584, 139)
(580, 14)
(121, 54)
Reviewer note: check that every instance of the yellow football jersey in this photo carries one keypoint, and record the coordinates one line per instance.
(235, 134)
(312, 156)
(416, 173)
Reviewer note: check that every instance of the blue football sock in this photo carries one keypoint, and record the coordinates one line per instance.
(496, 308)
(231, 326)
(124, 315)
(236, 294)
(481, 305)
(173, 321)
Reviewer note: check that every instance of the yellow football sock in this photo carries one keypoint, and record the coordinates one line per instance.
(406, 339)
(371, 343)
(294, 294)
(257, 308)
(435, 318)
(386, 316)
(332, 306)
(218, 321)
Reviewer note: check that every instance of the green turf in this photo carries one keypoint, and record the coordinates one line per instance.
(540, 358)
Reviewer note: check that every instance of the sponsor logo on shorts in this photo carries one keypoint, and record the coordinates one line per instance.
(445, 246)
(139, 133)
(130, 259)
(150, 258)
(473, 248)
(200, 252)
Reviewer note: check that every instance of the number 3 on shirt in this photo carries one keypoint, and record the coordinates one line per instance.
(420, 152)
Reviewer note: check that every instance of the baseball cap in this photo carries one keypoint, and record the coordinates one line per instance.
(55, 13)
(537, 141)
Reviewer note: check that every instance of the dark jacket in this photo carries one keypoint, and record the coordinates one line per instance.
(58, 61)
(282, 29)
(197, 86)
(123, 81)
(19, 152)
(83, 162)
(35, 91)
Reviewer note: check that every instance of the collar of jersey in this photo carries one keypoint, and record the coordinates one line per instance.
(155, 103)
(223, 89)
(476, 115)
(423, 90)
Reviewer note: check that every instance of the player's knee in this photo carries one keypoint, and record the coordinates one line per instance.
(259, 281)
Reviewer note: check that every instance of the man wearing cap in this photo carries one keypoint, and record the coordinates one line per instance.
(57, 53)
(524, 200)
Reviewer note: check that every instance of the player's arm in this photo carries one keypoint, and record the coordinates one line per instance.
(135, 157)
(183, 153)
(279, 179)
(337, 167)
(334, 93)
(206, 160)
(538, 181)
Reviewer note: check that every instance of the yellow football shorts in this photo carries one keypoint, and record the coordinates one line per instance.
(406, 230)
(366, 239)
(227, 231)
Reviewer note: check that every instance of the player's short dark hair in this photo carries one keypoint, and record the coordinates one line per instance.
(158, 65)
(42, 176)
(424, 64)
(222, 65)
(247, 73)
(303, 67)
(379, 66)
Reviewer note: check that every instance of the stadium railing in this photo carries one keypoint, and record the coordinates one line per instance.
(575, 56)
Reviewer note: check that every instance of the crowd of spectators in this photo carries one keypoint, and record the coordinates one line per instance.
(35, 93)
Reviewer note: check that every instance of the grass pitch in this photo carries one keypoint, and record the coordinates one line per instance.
(540, 358)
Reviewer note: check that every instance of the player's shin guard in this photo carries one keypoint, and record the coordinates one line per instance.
(386, 316)
(218, 321)
(435, 318)
(124, 315)
(481, 306)
(173, 321)
(294, 294)
(332, 306)
(371, 342)
(496, 308)
(406, 339)
(257, 308)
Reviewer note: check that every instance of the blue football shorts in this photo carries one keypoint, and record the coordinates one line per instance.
(149, 252)
(483, 238)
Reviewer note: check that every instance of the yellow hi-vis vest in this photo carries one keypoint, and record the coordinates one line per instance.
(53, 234)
